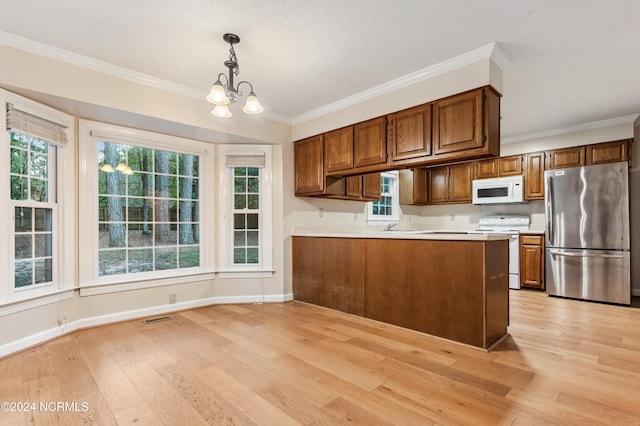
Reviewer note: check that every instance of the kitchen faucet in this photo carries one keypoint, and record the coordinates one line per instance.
(390, 226)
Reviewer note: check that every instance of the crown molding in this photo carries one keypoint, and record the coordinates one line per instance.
(572, 129)
(491, 50)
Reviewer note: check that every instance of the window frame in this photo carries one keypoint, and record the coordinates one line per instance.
(395, 200)
(227, 268)
(61, 185)
(91, 133)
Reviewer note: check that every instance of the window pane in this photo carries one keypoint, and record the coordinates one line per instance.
(238, 221)
(239, 238)
(252, 185)
(140, 260)
(19, 161)
(240, 184)
(43, 220)
(252, 238)
(239, 201)
(239, 256)
(38, 166)
(253, 201)
(24, 274)
(24, 247)
(19, 188)
(112, 262)
(165, 234)
(189, 257)
(253, 171)
(23, 221)
(166, 258)
(139, 235)
(252, 255)
(43, 271)
(39, 190)
(252, 221)
(42, 245)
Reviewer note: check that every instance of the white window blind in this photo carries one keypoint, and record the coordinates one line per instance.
(38, 127)
(244, 161)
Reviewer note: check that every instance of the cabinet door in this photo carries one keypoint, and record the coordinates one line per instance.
(438, 185)
(370, 142)
(460, 177)
(353, 187)
(409, 133)
(608, 152)
(371, 186)
(458, 123)
(413, 186)
(338, 150)
(566, 157)
(531, 261)
(510, 166)
(309, 166)
(329, 272)
(485, 169)
(534, 176)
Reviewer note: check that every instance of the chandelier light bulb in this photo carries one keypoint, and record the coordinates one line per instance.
(252, 105)
(218, 94)
(121, 167)
(108, 168)
(221, 111)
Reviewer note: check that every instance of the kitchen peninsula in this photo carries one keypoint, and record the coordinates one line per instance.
(450, 285)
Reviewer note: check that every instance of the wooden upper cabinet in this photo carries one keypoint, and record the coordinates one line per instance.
(486, 169)
(338, 150)
(460, 177)
(608, 152)
(309, 173)
(565, 157)
(409, 134)
(363, 187)
(438, 185)
(413, 186)
(467, 125)
(498, 167)
(370, 143)
(534, 176)
(510, 166)
(309, 166)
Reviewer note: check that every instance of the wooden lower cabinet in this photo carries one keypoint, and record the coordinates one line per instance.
(419, 284)
(532, 261)
(329, 272)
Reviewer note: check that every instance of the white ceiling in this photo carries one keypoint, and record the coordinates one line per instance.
(567, 63)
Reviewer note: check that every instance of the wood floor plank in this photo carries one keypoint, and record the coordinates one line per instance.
(565, 362)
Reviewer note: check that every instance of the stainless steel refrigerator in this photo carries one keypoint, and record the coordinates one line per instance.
(587, 254)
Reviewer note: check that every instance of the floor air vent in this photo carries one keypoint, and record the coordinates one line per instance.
(157, 319)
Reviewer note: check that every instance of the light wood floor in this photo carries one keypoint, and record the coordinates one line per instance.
(567, 363)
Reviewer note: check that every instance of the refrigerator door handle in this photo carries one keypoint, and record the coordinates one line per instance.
(603, 255)
(548, 197)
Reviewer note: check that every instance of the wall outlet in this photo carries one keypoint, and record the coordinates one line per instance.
(172, 298)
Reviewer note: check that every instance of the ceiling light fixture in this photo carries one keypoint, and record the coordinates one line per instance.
(222, 95)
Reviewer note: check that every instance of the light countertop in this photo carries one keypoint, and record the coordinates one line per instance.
(450, 235)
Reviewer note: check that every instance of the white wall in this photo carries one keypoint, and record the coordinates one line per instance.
(94, 95)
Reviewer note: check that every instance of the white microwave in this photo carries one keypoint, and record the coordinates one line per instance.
(503, 190)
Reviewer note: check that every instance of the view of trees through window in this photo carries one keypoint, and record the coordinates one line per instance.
(33, 210)
(246, 212)
(148, 210)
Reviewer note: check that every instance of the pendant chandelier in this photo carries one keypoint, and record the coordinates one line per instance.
(221, 95)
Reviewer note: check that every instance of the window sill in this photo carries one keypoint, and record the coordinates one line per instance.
(238, 273)
(25, 303)
(96, 289)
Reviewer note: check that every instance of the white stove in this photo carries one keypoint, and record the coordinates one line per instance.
(512, 225)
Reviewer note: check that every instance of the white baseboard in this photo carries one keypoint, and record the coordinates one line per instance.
(69, 327)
